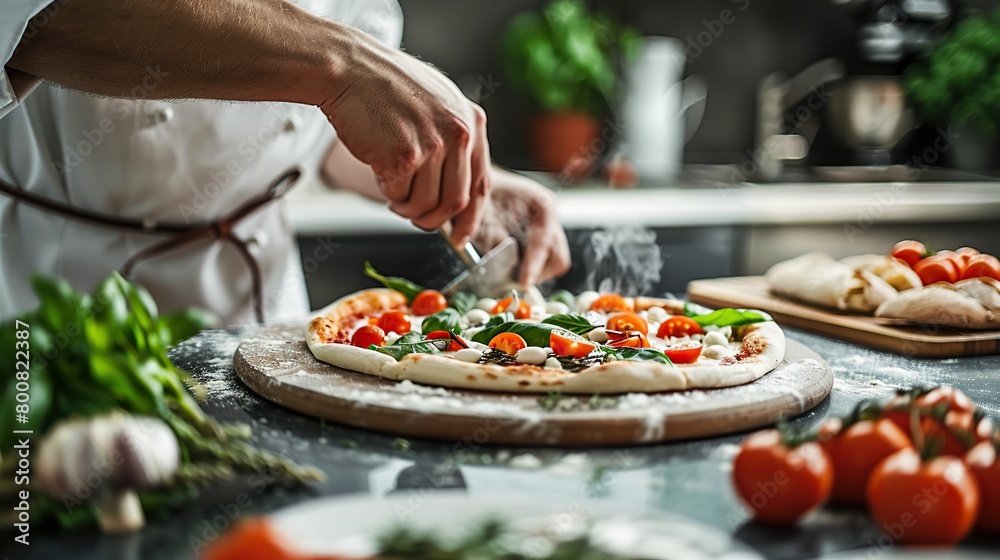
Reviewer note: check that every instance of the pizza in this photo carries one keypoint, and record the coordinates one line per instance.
(959, 289)
(587, 343)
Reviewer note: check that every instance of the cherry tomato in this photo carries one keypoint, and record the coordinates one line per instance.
(984, 463)
(684, 354)
(566, 346)
(627, 322)
(367, 335)
(254, 539)
(909, 251)
(610, 303)
(958, 260)
(679, 325)
(967, 253)
(779, 484)
(855, 451)
(442, 335)
(936, 269)
(627, 340)
(394, 321)
(508, 342)
(934, 502)
(523, 310)
(945, 414)
(428, 302)
(982, 265)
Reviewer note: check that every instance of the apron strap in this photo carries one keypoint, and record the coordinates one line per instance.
(180, 235)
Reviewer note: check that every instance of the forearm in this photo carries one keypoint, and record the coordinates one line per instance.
(243, 50)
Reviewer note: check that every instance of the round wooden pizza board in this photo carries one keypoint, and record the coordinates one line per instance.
(275, 362)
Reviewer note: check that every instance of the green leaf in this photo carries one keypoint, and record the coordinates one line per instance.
(39, 402)
(499, 319)
(565, 297)
(637, 354)
(447, 320)
(572, 322)
(184, 324)
(463, 302)
(401, 285)
(535, 334)
(409, 343)
(728, 317)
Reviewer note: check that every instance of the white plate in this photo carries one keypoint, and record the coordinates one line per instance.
(349, 525)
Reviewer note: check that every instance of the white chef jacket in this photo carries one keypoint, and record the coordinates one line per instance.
(171, 162)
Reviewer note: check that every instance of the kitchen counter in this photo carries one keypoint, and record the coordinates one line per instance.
(317, 210)
(691, 478)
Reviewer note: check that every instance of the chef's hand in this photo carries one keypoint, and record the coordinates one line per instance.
(425, 141)
(521, 207)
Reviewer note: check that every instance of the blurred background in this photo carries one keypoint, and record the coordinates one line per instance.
(464, 39)
(714, 138)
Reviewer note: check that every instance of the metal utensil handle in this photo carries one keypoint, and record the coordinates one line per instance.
(467, 253)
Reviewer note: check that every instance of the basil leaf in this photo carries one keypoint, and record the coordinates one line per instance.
(535, 334)
(573, 322)
(563, 296)
(729, 317)
(409, 343)
(445, 320)
(186, 323)
(401, 285)
(463, 302)
(637, 354)
(693, 309)
(499, 319)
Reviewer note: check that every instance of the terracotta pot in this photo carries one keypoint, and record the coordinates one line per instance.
(563, 142)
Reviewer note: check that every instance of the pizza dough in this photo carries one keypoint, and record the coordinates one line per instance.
(896, 273)
(752, 351)
(820, 279)
(971, 304)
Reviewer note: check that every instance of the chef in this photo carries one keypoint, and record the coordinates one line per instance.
(183, 196)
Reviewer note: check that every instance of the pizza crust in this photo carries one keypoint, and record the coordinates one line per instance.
(820, 279)
(762, 348)
(970, 304)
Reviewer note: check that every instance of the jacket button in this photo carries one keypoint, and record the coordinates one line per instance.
(161, 115)
(292, 123)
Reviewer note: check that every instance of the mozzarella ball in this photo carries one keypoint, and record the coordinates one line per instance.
(656, 315)
(726, 332)
(715, 352)
(585, 300)
(477, 316)
(552, 363)
(598, 335)
(556, 307)
(715, 338)
(470, 355)
(532, 295)
(532, 355)
(391, 337)
(486, 304)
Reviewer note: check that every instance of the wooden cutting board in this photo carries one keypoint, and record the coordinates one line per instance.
(923, 341)
(276, 363)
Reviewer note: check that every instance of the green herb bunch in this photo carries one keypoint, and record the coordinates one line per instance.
(565, 58)
(959, 80)
(91, 354)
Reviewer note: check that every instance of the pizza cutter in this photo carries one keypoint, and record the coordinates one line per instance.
(487, 275)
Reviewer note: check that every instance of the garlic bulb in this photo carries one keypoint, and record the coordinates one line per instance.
(106, 459)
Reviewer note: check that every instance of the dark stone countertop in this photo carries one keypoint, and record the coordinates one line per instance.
(691, 478)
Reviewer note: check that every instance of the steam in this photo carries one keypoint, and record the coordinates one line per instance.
(623, 260)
